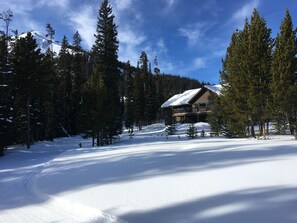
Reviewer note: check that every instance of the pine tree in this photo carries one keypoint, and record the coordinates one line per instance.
(259, 66)
(64, 70)
(139, 99)
(6, 16)
(233, 100)
(245, 78)
(283, 86)
(192, 132)
(129, 103)
(105, 62)
(94, 102)
(150, 97)
(26, 61)
(159, 87)
(215, 117)
(50, 34)
(79, 77)
(50, 95)
(6, 99)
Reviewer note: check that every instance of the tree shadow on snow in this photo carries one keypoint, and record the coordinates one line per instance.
(271, 204)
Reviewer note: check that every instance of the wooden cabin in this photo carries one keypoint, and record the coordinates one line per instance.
(190, 106)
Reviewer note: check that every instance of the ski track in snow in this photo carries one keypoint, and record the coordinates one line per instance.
(152, 179)
(25, 203)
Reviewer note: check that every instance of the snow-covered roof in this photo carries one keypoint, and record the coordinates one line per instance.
(185, 97)
(181, 99)
(214, 88)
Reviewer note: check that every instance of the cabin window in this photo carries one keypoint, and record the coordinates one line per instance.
(199, 106)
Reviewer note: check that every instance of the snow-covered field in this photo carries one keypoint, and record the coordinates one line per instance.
(152, 179)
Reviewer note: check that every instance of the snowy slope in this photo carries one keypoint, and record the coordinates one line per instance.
(152, 179)
(43, 42)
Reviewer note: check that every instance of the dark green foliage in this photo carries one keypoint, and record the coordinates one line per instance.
(105, 66)
(191, 132)
(139, 99)
(283, 86)
(171, 129)
(95, 98)
(6, 99)
(78, 78)
(215, 118)
(129, 103)
(245, 78)
(26, 61)
(64, 71)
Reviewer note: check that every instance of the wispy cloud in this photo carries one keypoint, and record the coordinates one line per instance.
(121, 5)
(194, 32)
(84, 20)
(170, 4)
(245, 11)
(54, 3)
(199, 63)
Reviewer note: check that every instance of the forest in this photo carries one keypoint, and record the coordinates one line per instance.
(259, 81)
(44, 95)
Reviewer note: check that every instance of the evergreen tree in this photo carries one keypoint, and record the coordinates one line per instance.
(50, 34)
(6, 16)
(233, 99)
(283, 86)
(129, 103)
(215, 117)
(192, 132)
(6, 99)
(50, 95)
(105, 63)
(26, 61)
(64, 70)
(245, 78)
(94, 101)
(79, 77)
(159, 86)
(139, 99)
(259, 66)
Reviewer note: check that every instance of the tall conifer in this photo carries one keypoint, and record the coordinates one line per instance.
(105, 64)
(283, 86)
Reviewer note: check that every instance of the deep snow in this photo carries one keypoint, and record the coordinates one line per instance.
(152, 179)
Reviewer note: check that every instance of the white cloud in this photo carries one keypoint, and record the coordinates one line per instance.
(84, 20)
(161, 47)
(121, 5)
(54, 3)
(130, 41)
(128, 36)
(199, 63)
(17, 6)
(193, 32)
(170, 4)
(245, 11)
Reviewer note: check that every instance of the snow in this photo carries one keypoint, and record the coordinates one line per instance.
(181, 99)
(43, 42)
(214, 88)
(185, 97)
(149, 178)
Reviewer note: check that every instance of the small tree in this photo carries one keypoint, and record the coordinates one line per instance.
(192, 132)
(171, 129)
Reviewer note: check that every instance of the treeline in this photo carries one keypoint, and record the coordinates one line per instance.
(259, 79)
(43, 95)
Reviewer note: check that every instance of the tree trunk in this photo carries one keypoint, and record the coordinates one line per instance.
(252, 128)
(28, 124)
(93, 140)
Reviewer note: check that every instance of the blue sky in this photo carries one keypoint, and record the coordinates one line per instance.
(189, 37)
